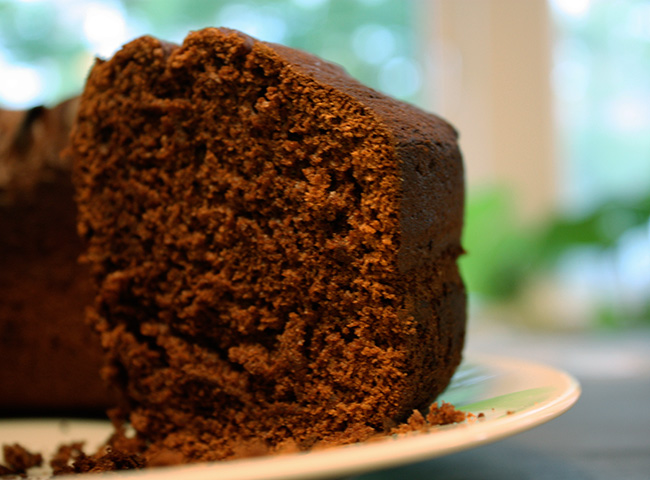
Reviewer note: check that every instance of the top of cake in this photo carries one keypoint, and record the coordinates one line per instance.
(30, 145)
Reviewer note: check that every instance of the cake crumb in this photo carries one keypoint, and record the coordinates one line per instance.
(61, 462)
(416, 421)
(71, 458)
(444, 414)
(17, 460)
(111, 461)
(438, 415)
(5, 471)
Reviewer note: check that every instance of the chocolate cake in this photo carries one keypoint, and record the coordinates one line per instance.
(273, 244)
(49, 359)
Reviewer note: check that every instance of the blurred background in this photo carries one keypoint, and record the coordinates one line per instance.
(551, 99)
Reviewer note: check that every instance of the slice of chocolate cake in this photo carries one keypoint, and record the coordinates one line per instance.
(49, 358)
(274, 246)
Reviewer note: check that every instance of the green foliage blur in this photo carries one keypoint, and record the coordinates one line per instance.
(505, 256)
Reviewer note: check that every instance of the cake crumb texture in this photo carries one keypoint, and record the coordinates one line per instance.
(274, 247)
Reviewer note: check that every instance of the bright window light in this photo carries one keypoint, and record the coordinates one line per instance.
(400, 77)
(104, 28)
(373, 44)
(20, 86)
(572, 8)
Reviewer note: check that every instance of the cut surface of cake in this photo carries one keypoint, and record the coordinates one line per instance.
(274, 246)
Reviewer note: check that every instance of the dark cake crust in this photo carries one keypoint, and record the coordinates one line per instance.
(274, 246)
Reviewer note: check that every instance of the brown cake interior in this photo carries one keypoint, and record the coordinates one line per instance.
(269, 271)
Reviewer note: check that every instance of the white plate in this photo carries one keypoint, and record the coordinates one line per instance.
(513, 395)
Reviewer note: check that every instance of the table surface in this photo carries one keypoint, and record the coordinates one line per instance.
(606, 435)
